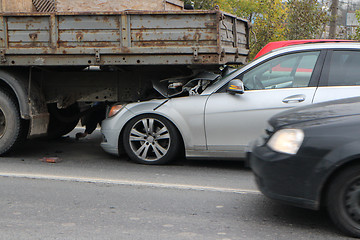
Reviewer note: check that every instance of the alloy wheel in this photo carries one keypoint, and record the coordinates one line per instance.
(149, 139)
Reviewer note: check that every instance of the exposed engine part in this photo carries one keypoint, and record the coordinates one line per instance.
(190, 85)
(195, 90)
(198, 88)
(175, 85)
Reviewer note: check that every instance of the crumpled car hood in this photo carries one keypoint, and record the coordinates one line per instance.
(177, 86)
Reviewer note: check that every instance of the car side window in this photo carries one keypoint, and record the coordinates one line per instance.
(344, 69)
(288, 71)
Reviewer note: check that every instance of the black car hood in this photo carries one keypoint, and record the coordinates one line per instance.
(325, 110)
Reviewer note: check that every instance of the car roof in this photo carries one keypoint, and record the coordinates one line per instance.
(279, 44)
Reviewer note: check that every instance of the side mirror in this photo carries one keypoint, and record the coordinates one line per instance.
(235, 86)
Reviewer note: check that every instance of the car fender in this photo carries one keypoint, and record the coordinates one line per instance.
(169, 108)
(335, 160)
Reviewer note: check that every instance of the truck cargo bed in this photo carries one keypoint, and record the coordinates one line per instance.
(122, 38)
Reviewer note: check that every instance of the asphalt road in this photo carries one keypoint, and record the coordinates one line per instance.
(88, 194)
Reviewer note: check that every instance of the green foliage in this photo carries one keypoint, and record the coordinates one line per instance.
(269, 25)
(201, 4)
(357, 29)
(274, 20)
(267, 18)
(305, 19)
(242, 8)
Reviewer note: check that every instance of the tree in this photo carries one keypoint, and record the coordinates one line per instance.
(269, 25)
(305, 19)
(357, 29)
(334, 12)
(266, 16)
(274, 20)
(242, 8)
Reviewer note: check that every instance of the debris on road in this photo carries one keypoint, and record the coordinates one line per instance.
(51, 159)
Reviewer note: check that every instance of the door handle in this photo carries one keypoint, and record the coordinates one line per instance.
(295, 98)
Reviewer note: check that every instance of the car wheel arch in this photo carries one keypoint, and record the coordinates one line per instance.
(337, 169)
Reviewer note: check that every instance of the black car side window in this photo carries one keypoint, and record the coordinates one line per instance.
(344, 69)
(288, 71)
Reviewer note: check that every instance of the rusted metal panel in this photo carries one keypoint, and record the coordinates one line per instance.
(171, 43)
(227, 33)
(39, 124)
(125, 31)
(179, 35)
(28, 31)
(85, 22)
(28, 23)
(90, 36)
(107, 50)
(54, 33)
(117, 5)
(26, 36)
(127, 38)
(88, 44)
(242, 41)
(89, 31)
(83, 60)
(3, 38)
(233, 33)
(241, 28)
(227, 23)
(165, 30)
(160, 21)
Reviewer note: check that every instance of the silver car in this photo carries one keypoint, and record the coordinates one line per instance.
(219, 115)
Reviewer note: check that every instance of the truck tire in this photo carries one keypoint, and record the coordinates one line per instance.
(343, 201)
(62, 121)
(13, 129)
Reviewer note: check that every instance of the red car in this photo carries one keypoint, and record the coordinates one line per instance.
(274, 45)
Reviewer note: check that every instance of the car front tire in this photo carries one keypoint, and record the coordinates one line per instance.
(151, 139)
(343, 201)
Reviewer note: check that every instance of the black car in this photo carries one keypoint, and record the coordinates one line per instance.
(310, 158)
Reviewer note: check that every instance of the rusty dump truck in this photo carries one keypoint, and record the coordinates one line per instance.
(53, 62)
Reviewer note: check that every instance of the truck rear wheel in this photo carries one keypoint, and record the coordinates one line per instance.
(62, 121)
(13, 130)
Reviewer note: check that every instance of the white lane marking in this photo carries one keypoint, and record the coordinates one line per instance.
(127, 183)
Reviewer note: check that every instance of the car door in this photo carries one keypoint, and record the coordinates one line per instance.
(232, 121)
(340, 77)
